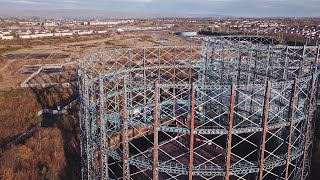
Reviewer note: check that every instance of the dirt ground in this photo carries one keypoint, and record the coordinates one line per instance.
(52, 151)
(14, 55)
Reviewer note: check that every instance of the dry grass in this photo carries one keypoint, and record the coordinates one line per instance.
(51, 153)
(41, 157)
(18, 113)
(19, 109)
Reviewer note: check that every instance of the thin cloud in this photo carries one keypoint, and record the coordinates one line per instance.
(23, 2)
(71, 1)
(256, 8)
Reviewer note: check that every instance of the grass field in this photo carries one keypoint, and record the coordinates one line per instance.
(52, 151)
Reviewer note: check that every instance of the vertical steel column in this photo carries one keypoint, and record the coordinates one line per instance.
(310, 108)
(229, 140)
(82, 116)
(125, 143)
(249, 62)
(316, 99)
(222, 66)
(205, 80)
(312, 133)
(238, 82)
(303, 60)
(144, 85)
(190, 66)
(248, 102)
(159, 64)
(253, 82)
(222, 81)
(271, 63)
(239, 68)
(292, 107)
(130, 83)
(192, 132)
(190, 80)
(265, 126)
(103, 148)
(267, 68)
(312, 123)
(286, 64)
(206, 68)
(87, 126)
(117, 84)
(174, 83)
(315, 63)
(155, 132)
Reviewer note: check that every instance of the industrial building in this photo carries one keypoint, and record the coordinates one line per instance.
(238, 107)
(187, 34)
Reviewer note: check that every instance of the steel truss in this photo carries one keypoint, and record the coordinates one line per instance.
(235, 108)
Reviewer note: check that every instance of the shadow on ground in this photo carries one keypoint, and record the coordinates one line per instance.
(68, 124)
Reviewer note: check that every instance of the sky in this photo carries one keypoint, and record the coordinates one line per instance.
(161, 8)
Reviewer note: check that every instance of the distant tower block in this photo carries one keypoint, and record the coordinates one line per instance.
(236, 108)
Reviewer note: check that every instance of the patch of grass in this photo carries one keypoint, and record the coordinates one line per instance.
(27, 46)
(76, 45)
(146, 38)
(9, 49)
(14, 93)
(109, 43)
(19, 108)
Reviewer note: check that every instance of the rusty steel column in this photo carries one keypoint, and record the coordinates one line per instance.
(155, 133)
(265, 126)
(125, 143)
(192, 132)
(310, 104)
(229, 145)
(293, 101)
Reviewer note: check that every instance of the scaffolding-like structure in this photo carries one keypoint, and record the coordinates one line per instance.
(238, 107)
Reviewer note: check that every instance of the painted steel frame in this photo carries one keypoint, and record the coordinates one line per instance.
(217, 98)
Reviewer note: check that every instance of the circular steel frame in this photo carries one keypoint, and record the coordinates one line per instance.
(234, 108)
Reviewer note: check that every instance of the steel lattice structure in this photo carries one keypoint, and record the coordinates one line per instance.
(237, 107)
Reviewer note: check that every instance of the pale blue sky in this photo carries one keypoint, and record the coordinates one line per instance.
(167, 8)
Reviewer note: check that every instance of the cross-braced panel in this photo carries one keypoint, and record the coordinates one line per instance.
(236, 108)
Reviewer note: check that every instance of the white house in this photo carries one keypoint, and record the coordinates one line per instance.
(85, 32)
(7, 37)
